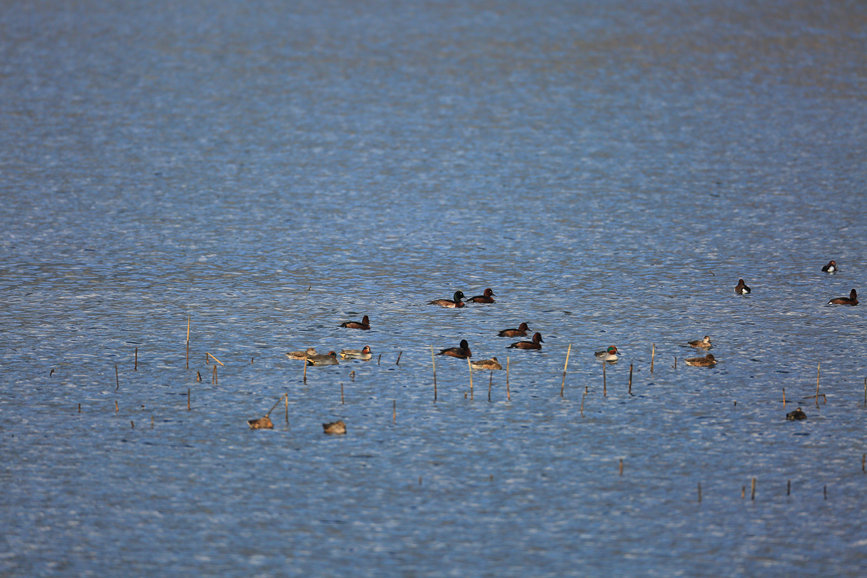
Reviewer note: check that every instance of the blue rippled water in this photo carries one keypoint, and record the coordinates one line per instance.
(268, 170)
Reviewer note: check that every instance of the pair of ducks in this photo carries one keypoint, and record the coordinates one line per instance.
(330, 358)
(463, 351)
(333, 428)
(457, 299)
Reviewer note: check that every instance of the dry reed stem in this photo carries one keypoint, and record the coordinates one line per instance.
(198, 377)
(135, 367)
(621, 466)
(699, 492)
(305, 371)
(116, 408)
(604, 380)
(788, 487)
(508, 391)
(753, 489)
(582, 402)
(470, 367)
(116, 378)
(565, 367)
(818, 372)
(434, 362)
(188, 328)
(341, 393)
(394, 411)
(399, 353)
(188, 399)
(784, 398)
(490, 384)
(630, 379)
(214, 358)
(652, 356)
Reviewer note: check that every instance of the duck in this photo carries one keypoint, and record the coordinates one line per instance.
(536, 343)
(486, 297)
(261, 423)
(364, 353)
(301, 354)
(831, 267)
(363, 324)
(521, 331)
(610, 354)
(741, 288)
(453, 303)
(852, 299)
(706, 361)
(323, 359)
(490, 364)
(796, 415)
(462, 352)
(701, 343)
(335, 427)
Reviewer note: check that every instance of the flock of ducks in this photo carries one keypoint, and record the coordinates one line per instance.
(462, 351)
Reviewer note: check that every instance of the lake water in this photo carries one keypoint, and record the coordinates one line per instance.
(268, 170)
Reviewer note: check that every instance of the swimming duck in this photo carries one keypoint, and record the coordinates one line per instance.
(519, 332)
(456, 302)
(461, 352)
(831, 267)
(487, 297)
(796, 415)
(706, 361)
(261, 423)
(535, 344)
(363, 324)
(323, 359)
(852, 299)
(609, 354)
(701, 343)
(301, 354)
(490, 364)
(335, 427)
(741, 288)
(364, 353)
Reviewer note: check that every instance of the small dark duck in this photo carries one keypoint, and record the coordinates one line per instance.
(363, 324)
(701, 343)
(323, 359)
(453, 303)
(741, 288)
(335, 428)
(796, 415)
(486, 297)
(261, 423)
(521, 331)
(462, 352)
(831, 267)
(535, 344)
(706, 361)
(852, 299)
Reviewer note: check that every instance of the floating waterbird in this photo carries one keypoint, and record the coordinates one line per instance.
(261, 423)
(831, 267)
(706, 361)
(852, 299)
(453, 303)
(741, 288)
(363, 353)
(796, 415)
(536, 343)
(335, 427)
(487, 297)
(363, 324)
(701, 343)
(301, 354)
(323, 359)
(461, 352)
(521, 331)
(609, 354)
(490, 364)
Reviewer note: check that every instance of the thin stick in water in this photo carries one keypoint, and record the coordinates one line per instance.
(135, 367)
(188, 328)
(582, 402)
(753, 489)
(394, 411)
(214, 358)
(699, 492)
(305, 372)
(675, 362)
(471, 378)
(490, 384)
(116, 378)
(341, 393)
(188, 399)
(116, 408)
(788, 487)
(508, 392)
(565, 367)
(630, 379)
(434, 362)
(784, 398)
(604, 381)
(652, 356)
(198, 377)
(399, 353)
(79, 411)
(621, 466)
(818, 372)
(188, 355)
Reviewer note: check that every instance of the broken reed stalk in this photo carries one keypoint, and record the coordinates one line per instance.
(188, 328)
(379, 359)
(188, 355)
(753, 489)
(865, 392)
(214, 376)
(286, 398)
(116, 378)
(434, 362)
(621, 466)
(131, 424)
(471, 377)
(582, 402)
(784, 398)
(305, 372)
(565, 367)
(214, 358)
(675, 362)
(699, 492)
(788, 487)
(135, 367)
(490, 384)
(818, 372)
(276, 403)
(79, 411)
(652, 356)
(399, 353)
(116, 408)
(508, 392)
(825, 491)
(341, 393)
(604, 380)
(188, 399)
(394, 411)
(630, 379)
(863, 456)
(198, 377)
